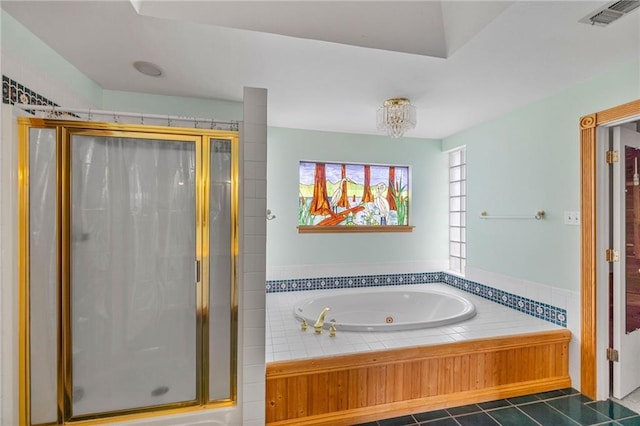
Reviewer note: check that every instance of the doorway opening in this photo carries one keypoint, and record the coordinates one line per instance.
(600, 219)
(621, 145)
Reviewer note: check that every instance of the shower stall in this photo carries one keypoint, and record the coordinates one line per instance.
(128, 244)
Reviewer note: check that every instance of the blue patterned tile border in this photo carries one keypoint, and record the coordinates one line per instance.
(15, 93)
(531, 307)
(281, 286)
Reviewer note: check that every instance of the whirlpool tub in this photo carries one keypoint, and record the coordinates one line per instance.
(394, 309)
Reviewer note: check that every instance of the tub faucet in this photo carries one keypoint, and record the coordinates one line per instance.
(320, 321)
(332, 328)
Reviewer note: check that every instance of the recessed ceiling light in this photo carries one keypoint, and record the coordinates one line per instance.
(147, 68)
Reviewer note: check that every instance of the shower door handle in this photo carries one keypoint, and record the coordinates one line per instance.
(197, 271)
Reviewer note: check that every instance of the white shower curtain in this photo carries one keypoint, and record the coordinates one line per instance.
(221, 270)
(43, 274)
(133, 250)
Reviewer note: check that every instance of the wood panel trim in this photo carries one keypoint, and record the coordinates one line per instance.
(342, 389)
(419, 405)
(336, 229)
(619, 112)
(588, 255)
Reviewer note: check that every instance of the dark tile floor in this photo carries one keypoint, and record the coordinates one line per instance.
(555, 408)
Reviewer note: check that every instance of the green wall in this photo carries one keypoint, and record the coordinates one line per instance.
(518, 163)
(529, 160)
(22, 43)
(173, 105)
(41, 60)
(429, 202)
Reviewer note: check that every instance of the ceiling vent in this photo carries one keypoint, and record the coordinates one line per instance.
(603, 16)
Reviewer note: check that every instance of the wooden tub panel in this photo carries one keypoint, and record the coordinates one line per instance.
(347, 389)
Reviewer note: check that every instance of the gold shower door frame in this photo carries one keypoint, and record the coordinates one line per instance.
(202, 139)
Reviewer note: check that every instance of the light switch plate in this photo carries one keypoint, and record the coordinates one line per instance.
(572, 218)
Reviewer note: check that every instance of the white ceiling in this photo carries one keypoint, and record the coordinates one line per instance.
(329, 65)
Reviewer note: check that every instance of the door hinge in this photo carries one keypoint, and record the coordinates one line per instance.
(612, 355)
(612, 157)
(611, 255)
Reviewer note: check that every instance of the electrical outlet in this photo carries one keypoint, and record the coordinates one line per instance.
(572, 218)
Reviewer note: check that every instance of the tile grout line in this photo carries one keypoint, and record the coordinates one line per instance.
(539, 399)
(635, 415)
(554, 408)
(616, 421)
(488, 412)
(534, 420)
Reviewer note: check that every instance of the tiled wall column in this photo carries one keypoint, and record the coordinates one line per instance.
(253, 232)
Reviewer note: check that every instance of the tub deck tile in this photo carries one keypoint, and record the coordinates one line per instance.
(283, 330)
(435, 356)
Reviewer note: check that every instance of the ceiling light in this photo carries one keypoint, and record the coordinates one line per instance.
(147, 68)
(396, 116)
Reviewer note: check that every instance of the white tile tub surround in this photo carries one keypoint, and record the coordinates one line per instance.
(539, 292)
(561, 298)
(285, 340)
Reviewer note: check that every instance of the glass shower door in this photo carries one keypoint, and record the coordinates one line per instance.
(43, 275)
(128, 238)
(132, 289)
(222, 305)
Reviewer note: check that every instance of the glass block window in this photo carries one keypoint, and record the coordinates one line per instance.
(457, 210)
